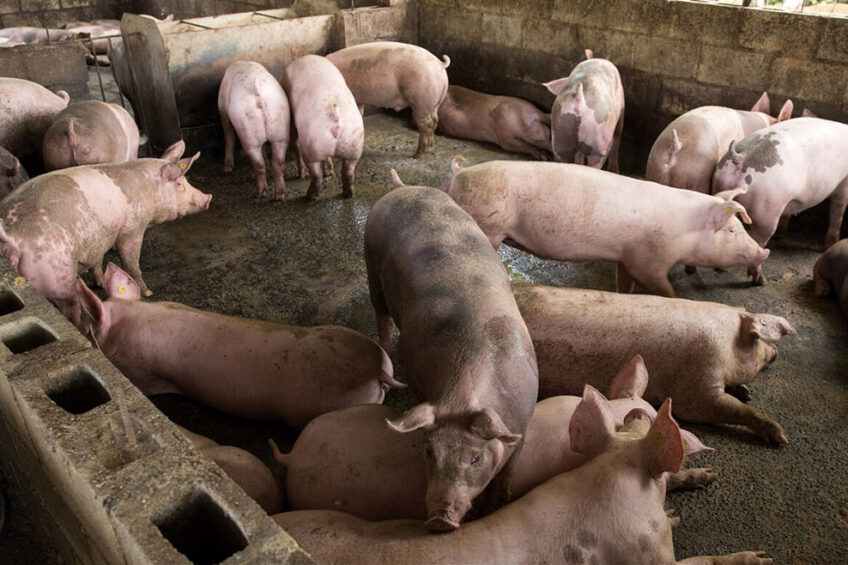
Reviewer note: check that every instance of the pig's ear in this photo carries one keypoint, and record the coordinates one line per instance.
(555, 86)
(807, 113)
(173, 171)
(786, 111)
(763, 104)
(589, 54)
(631, 380)
(592, 423)
(421, 416)
(488, 425)
(766, 326)
(722, 213)
(92, 306)
(174, 152)
(691, 443)
(664, 444)
(120, 285)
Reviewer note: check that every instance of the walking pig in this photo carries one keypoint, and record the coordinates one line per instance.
(787, 168)
(90, 132)
(512, 123)
(253, 105)
(244, 367)
(574, 213)
(59, 222)
(26, 111)
(831, 274)
(701, 354)
(389, 481)
(587, 117)
(608, 511)
(326, 117)
(396, 75)
(12, 173)
(462, 343)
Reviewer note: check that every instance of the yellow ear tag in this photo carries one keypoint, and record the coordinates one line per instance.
(728, 208)
(182, 165)
(659, 438)
(685, 443)
(122, 289)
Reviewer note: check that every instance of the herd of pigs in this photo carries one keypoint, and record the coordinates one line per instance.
(587, 476)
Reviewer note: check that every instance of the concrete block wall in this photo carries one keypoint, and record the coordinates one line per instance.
(53, 13)
(103, 475)
(673, 55)
(58, 66)
(201, 8)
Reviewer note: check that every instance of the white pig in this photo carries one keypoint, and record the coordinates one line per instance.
(26, 111)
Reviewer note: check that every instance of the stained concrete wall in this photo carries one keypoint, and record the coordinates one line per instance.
(60, 66)
(673, 56)
(201, 8)
(53, 13)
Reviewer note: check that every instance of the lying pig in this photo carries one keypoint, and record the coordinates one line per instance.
(92, 209)
(701, 354)
(587, 117)
(253, 105)
(573, 213)
(327, 120)
(244, 468)
(396, 75)
(248, 368)
(28, 109)
(90, 132)
(29, 34)
(390, 481)
(608, 511)
(512, 123)
(462, 344)
(831, 274)
(686, 152)
(12, 173)
(788, 167)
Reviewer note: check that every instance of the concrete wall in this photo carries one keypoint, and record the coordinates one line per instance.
(200, 8)
(673, 56)
(60, 66)
(52, 13)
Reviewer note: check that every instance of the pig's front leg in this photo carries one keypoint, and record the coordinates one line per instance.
(763, 228)
(616, 144)
(838, 203)
(97, 272)
(726, 409)
(741, 558)
(689, 479)
(129, 251)
(649, 274)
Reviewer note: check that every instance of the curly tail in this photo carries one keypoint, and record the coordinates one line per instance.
(446, 64)
(282, 458)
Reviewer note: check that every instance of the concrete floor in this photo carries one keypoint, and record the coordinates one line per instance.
(300, 262)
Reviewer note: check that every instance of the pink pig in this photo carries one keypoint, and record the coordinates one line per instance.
(253, 105)
(244, 367)
(12, 173)
(609, 511)
(28, 109)
(830, 274)
(587, 117)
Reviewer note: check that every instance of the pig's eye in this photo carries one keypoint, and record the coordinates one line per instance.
(475, 459)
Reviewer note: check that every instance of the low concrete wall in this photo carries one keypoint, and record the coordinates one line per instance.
(673, 56)
(58, 66)
(53, 13)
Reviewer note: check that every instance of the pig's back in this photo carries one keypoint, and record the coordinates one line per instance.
(26, 111)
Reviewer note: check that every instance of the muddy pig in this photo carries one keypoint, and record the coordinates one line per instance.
(581, 336)
(390, 482)
(253, 105)
(608, 511)
(248, 368)
(831, 274)
(587, 117)
(90, 132)
(788, 168)
(462, 344)
(327, 120)
(12, 173)
(26, 111)
(396, 75)
(574, 213)
(59, 222)
(514, 124)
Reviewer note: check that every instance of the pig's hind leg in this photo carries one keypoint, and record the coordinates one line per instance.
(654, 279)
(278, 164)
(426, 130)
(838, 203)
(316, 179)
(348, 170)
(229, 142)
(257, 159)
(726, 409)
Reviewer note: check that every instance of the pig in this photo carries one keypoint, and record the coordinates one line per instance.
(396, 75)
(91, 209)
(701, 354)
(327, 120)
(587, 117)
(573, 213)
(608, 511)
(514, 124)
(26, 111)
(787, 168)
(12, 173)
(462, 344)
(244, 468)
(830, 273)
(247, 368)
(253, 105)
(389, 482)
(28, 34)
(90, 132)
(686, 152)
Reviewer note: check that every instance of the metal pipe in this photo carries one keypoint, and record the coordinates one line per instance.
(97, 68)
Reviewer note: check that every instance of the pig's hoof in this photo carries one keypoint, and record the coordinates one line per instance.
(347, 194)
(775, 435)
(441, 523)
(760, 280)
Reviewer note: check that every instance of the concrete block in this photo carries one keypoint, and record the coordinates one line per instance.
(9, 6)
(806, 80)
(11, 64)
(451, 26)
(733, 67)
(21, 19)
(712, 24)
(666, 57)
(833, 44)
(583, 12)
(379, 24)
(545, 36)
(503, 30)
(679, 95)
(654, 17)
(58, 65)
(792, 35)
(76, 3)
(535, 9)
(39, 5)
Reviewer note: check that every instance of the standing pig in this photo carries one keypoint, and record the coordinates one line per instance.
(327, 120)
(90, 132)
(26, 111)
(12, 173)
(788, 167)
(686, 152)
(609, 511)
(574, 213)
(587, 117)
(57, 222)
(462, 343)
(831, 274)
(512, 123)
(253, 105)
(248, 368)
(701, 354)
(389, 482)
(397, 75)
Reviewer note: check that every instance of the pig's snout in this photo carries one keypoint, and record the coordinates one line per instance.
(202, 200)
(441, 522)
(758, 256)
(446, 512)
(771, 353)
